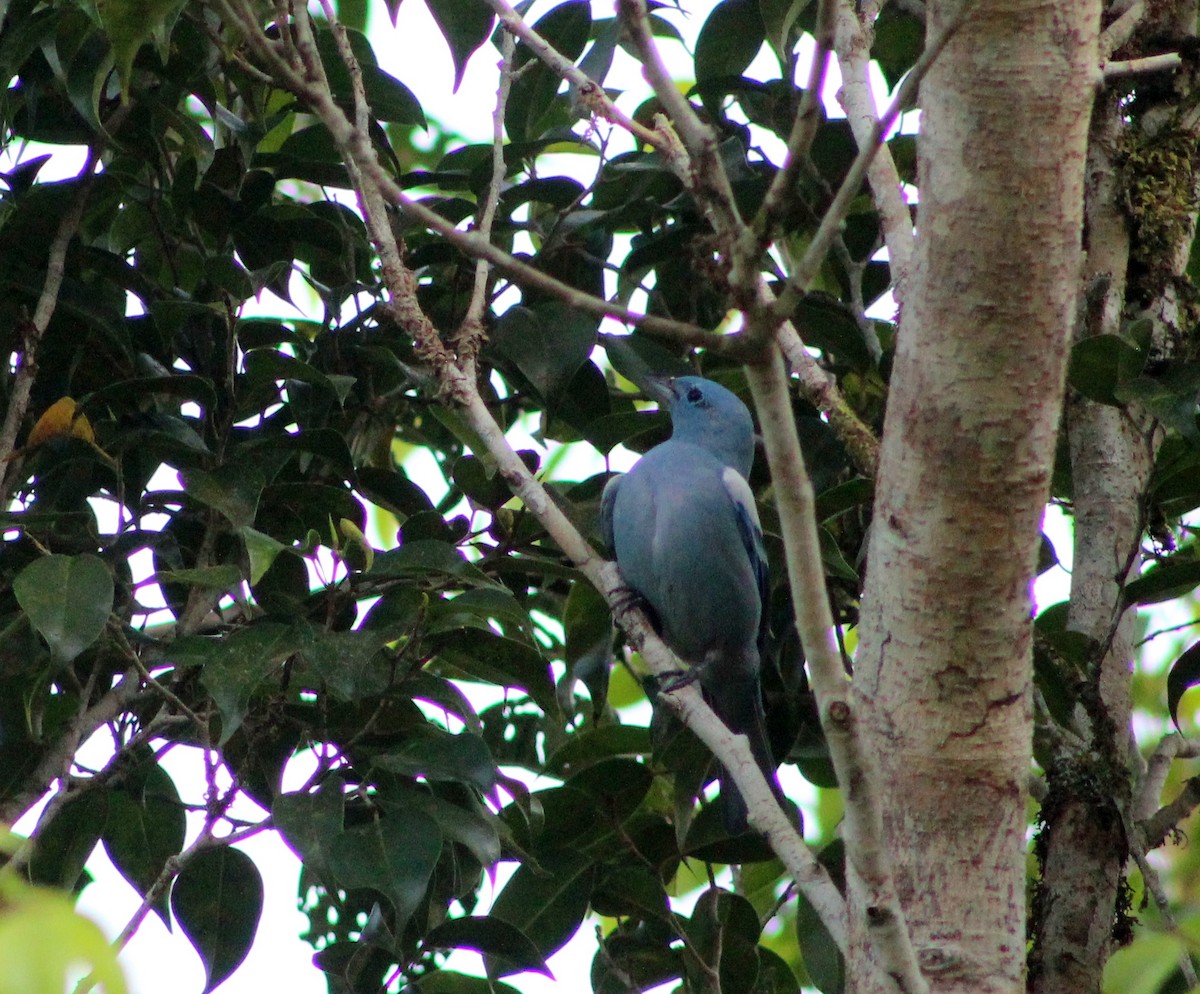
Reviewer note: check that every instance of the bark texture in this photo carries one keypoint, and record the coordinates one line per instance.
(967, 452)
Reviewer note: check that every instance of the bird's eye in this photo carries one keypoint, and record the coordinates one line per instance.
(695, 395)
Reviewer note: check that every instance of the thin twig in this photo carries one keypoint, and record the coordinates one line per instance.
(1121, 30)
(1154, 885)
(809, 115)
(806, 270)
(858, 100)
(704, 174)
(59, 756)
(1166, 62)
(471, 333)
(591, 93)
(33, 330)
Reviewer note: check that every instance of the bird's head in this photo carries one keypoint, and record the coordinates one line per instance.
(705, 413)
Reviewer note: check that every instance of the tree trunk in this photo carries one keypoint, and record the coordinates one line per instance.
(964, 473)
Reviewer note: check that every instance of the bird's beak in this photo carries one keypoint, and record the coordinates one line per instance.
(660, 388)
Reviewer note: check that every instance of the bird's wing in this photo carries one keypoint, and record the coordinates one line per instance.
(749, 529)
(608, 500)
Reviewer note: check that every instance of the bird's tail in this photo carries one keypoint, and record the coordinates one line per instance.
(737, 701)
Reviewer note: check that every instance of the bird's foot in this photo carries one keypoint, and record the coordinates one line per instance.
(626, 597)
(678, 679)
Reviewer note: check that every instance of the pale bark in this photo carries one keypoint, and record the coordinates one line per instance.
(1083, 844)
(964, 474)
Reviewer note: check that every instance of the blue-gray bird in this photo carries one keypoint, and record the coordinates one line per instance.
(685, 532)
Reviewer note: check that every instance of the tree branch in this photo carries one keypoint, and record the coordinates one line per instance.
(470, 335)
(856, 772)
(858, 101)
(591, 93)
(58, 758)
(804, 129)
(905, 96)
(33, 330)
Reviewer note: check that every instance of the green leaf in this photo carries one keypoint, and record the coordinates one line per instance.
(723, 932)
(1172, 578)
(465, 24)
(45, 943)
(232, 490)
(598, 742)
(589, 629)
(1100, 364)
(463, 758)
(899, 41)
(62, 846)
(146, 826)
(729, 39)
(68, 599)
(393, 855)
(1184, 674)
(311, 823)
(390, 100)
(547, 903)
(502, 661)
(547, 344)
(426, 560)
(780, 25)
(822, 960)
(237, 665)
(494, 938)
(349, 663)
(131, 23)
(222, 577)
(453, 982)
(261, 550)
(1171, 398)
(217, 900)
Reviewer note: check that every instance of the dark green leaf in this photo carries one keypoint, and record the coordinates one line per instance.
(232, 490)
(1172, 578)
(547, 903)
(588, 625)
(465, 24)
(899, 41)
(1100, 364)
(146, 826)
(729, 39)
(393, 855)
(217, 900)
(62, 846)
(68, 599)
(311, 823)
(237, 665)
(547, 344)
(464, 758)
(822, 960)
(493, 937)
(1184, 673)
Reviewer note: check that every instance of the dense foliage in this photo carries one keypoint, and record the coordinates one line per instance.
(323, 599)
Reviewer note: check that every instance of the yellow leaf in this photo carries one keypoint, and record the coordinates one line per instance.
(63, 417)
(358, 553)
